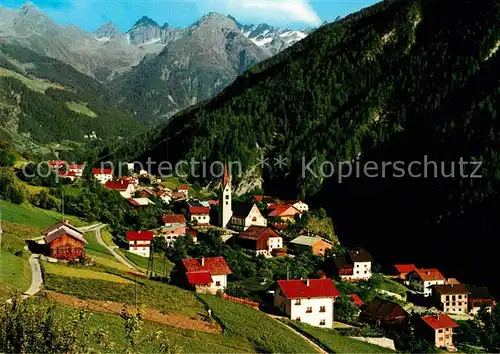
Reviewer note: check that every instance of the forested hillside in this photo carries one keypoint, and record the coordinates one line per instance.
(50, 101)
(397, 81)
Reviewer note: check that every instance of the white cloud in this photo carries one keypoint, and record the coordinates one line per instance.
(274, 11)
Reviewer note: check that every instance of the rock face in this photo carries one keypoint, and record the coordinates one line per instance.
(195, 67)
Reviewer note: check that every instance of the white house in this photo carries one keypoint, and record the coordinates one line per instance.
(356, 266)
(125, 188)
(245, 215)
(175, 226)
(103, 175)
(206, 275)
(301, 206)
(139, 242)
(310, 301)
(184, 189)
(200, 214)
(76, 169)
(422, 280)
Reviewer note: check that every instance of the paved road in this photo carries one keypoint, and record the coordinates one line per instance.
(97, 228)
(314, 345)
(36, 276)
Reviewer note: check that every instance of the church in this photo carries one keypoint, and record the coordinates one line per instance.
(240, 216)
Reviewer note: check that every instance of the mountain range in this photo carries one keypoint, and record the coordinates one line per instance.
(156, 70)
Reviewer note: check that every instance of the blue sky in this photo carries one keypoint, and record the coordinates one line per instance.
(90, 14)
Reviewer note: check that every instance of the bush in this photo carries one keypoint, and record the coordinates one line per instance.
(9, 189)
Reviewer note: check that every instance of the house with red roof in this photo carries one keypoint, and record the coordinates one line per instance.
(437, 329)
(200, 214)
(206, 275)
(76, 169)
(284, 212)
(184, 189)
(307, 300)
(67, 175)
(356, 299)
(422, 280)
(401, 270)
(56, 165)
(125, 188)
(139, 242)
(103, 175)
(260, 240)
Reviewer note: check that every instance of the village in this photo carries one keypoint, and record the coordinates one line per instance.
(402, 299)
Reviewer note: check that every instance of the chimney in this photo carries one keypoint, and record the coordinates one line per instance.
(322, 275)
(203, 262)
(307, 282)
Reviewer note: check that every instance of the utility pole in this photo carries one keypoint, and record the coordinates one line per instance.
(62, 205)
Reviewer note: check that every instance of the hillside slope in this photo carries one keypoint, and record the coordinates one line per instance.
(45, 101)
(394, 82)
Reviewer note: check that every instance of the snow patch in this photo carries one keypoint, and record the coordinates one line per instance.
(262, 42)
(103, 39)
(171, 99)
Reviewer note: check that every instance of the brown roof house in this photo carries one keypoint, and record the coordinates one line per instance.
(357, 265)
(64, 241)
(383, 313)
(479, 296)
(451, 298)
(260, 240)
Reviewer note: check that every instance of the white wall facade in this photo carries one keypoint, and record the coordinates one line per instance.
(301, 206)
(141, 248)
(226, 206)
(416, 283)
(102, 178)
(201, 218)
(219, 283)
(316, 312)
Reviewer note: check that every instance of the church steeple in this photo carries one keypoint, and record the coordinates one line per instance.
(225, 202)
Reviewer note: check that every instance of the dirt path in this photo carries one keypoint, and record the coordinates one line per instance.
(153, 315)
(36, 276)
(314, 345)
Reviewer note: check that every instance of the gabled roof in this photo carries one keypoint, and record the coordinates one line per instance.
(242, 210)
(284, 210)
(439, 321)
(256, 232)
(140, 201)
(225, 177)
(59, 225)
(384, 309)
(174, 219)
(451, 289)
(317, 288)
(102, 171)
(76, 167)
(356, 299)
(360, 256)
(140, 235)
(213, 265)
(67, 174)
(308, 240)
(429, 274)
(199, 210)
(117, 185)
(405, 268)
(64, 229)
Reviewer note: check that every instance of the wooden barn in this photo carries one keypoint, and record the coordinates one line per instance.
(64, 242)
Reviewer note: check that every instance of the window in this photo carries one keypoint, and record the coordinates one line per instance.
(447, 297)
(217, 283)
(322, 322)
(309, 310)
(254, 218)
(459, 296)
(297, 302)
(440, 331)
(322, 309)
(227, 203)
(227, 196)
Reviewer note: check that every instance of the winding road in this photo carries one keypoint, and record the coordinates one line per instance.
(36, 276)
(97, 228)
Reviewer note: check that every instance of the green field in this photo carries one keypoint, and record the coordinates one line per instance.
(38, 220)
(81, 108)
(333, 342)
(15, 274)
(82, 273)
(260, 330)
(163, 297)
(384, 283)
(142, 262)
(35, 84)
(187, 340)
